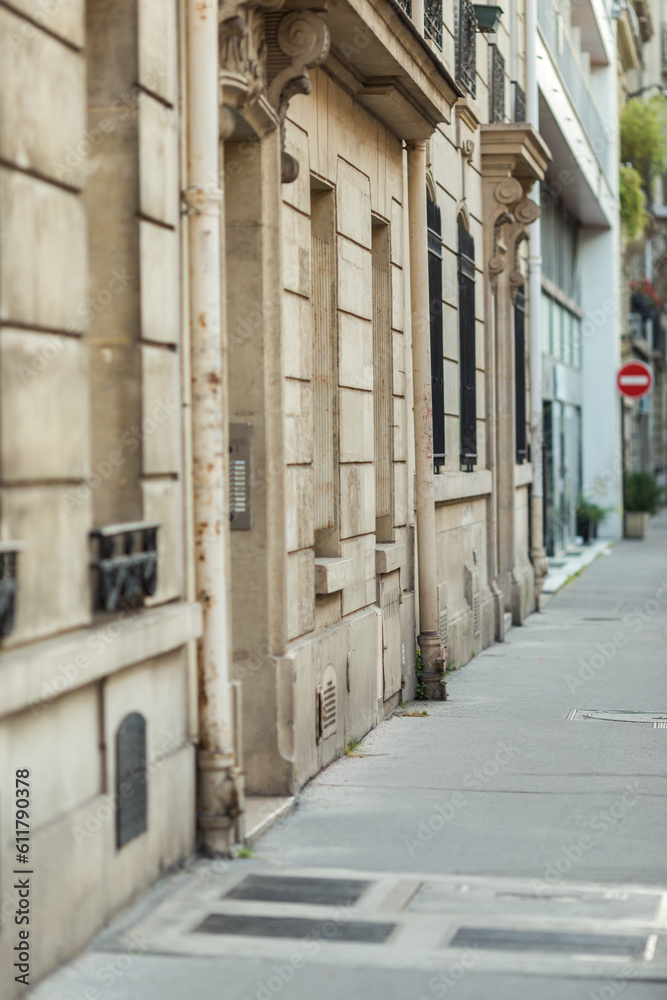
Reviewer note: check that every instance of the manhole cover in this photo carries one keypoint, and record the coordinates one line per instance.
(295, 889)
(502, 939)
(294, 927)
(655, 719)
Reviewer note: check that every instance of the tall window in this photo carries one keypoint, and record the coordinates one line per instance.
(325, 370)
(383, 371)
(433, 21)
(467, 349)
(520, 375)
(465, 34)
(435, 311)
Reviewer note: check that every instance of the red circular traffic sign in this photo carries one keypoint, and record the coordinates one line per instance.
(635, 379)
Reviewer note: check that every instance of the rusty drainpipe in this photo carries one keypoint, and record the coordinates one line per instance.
(219, 791)
(430, 644)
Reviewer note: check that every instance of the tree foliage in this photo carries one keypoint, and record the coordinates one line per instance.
(633, 202)
(643, 136)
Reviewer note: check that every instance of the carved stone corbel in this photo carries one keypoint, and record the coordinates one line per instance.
(298, 41)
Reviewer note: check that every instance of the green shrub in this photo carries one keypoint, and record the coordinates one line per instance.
(591, 511)
(641, 492)
(633, 202)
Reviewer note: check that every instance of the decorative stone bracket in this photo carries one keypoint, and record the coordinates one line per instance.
(265, 55)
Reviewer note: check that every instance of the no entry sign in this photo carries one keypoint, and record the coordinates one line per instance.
(635, 379)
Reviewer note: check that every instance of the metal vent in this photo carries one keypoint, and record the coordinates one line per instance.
(239, 476)
(299, 889)
(443, 627)
(131, 779)
(476, 616)
(326, 704)
(503, 939)
(294, 927)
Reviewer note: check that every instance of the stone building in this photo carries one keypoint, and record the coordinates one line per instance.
(268, 441)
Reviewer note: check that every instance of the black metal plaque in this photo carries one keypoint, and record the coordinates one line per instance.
(131, 779)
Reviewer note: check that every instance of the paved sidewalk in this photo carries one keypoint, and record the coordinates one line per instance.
(513, 842)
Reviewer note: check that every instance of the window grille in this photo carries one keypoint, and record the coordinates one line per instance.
(466, 52)
(435, 316)
(497, 85)
(519, 102)
(520, 375)
(433, 21)
(467, 349)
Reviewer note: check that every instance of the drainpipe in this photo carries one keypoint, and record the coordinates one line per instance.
(219, 785)
(429, 637)
(537, 553)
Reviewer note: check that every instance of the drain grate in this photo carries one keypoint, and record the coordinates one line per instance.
(600, 619)
(655, 719)
(299, 889)
(294, 927)
(501, 939)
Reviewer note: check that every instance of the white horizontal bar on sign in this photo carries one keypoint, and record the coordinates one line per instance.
(634, 380)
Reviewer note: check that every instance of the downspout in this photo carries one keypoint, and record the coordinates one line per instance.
(429, 638)
(219, 783)
(537, 553)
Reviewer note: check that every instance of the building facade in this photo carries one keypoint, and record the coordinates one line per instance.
(270, 455)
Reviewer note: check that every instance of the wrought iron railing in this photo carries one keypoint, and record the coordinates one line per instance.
(518, 103)
(406, 5)
(564, 55)
(433, 21)
(466, 52)
(126, 563)
(497, 85)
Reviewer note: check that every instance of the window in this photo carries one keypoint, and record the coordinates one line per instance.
(435, 316)
(520, 375)
(383, 372)
(325, 370)
(467, 366)
(433, 21)
(466, 52)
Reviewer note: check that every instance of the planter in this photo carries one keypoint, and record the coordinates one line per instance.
(584, 529)
(636, 523)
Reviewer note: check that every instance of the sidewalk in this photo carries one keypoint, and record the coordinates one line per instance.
(509, 846)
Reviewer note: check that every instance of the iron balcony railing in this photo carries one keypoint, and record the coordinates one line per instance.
(565, 57)
(497, 85)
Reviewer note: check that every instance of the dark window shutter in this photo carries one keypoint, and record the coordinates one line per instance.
(435, 316)
(467, 348)
(520, 374)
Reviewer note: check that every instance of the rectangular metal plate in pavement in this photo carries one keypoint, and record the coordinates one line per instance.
(597, 715)
(295, 889)
(557, 904)
(502, 939)
(294, 927)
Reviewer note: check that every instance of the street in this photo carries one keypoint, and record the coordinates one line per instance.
(511, 844)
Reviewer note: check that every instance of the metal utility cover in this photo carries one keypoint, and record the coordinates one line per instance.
(563, 904)
(298, 889)
(294, 927)
(597, 715)
(502, 939)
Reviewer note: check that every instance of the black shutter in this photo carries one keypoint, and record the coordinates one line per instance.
(520, 374)
(435, 316)
(467, 348)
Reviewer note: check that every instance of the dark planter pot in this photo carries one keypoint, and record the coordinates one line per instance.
(586, 529)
